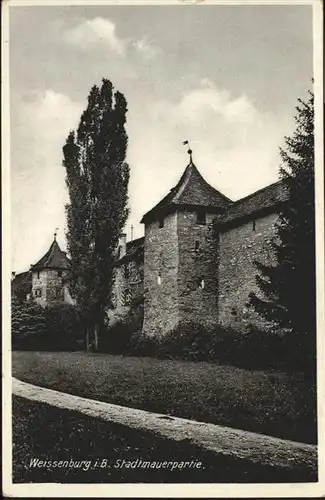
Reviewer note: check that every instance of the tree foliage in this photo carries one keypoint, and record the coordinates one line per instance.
(28, 326)
(64, 327)
(287, 287)
(97, 178)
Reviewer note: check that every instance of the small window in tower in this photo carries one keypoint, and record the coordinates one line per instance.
(38, 275)
(254, 225)
(200, 283)
(159, 279)
(119, 252)
(126, 272)
(197, 246)
(161, 222)
(60, 274)
(38, 292)
(201, 217)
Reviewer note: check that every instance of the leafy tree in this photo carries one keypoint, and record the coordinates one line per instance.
(288, 286)
(64, 328)
(28, 326)
(97, 178)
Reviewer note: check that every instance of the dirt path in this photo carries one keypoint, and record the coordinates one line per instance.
(258, 448)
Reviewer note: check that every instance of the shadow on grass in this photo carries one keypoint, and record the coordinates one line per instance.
(47, 433)
(267, 402)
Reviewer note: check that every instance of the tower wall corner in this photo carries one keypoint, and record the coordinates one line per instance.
(160, 277)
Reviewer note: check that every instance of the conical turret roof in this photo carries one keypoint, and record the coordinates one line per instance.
(53, 259)
(191, 190)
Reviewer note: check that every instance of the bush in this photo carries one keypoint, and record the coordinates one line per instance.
(249, 349)
(281, 350)
(64, 328)
(28, 326)
(123, 337)
(117, 338)
(57, 327)
(189, 341)
(252, 349)
(142, 345)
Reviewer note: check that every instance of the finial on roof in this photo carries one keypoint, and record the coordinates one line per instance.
(189, 150)
(55, 233)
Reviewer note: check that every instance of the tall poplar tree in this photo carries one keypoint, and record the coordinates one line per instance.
(288, 287)
(97, 177)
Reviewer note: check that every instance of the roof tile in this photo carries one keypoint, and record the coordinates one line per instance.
(265, 199)
(53, 259)
(191, 189)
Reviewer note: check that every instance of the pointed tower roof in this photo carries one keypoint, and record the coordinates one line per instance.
(53, 259)
(192, 190)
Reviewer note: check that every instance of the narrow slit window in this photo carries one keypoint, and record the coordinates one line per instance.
(254, 225)
(201, 217)
(38, 275)
(200, 283)
(161, 222)
(197, 246)
(60, 274)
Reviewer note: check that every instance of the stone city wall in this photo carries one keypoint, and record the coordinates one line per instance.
(160, 277)
(196, 269)
(238, 248)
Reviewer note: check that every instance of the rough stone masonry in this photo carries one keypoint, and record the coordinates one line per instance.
(196, 260)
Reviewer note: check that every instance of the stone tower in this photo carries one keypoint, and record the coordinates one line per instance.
(49, 277)
(180, 255)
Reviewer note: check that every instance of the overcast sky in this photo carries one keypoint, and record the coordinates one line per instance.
(224, 77)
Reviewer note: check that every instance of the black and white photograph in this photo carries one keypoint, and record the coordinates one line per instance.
(163, 254)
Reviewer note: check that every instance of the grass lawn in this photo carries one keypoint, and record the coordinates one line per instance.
(47, 433)
(267, 402)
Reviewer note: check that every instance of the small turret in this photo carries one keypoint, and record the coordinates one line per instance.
(48, 275)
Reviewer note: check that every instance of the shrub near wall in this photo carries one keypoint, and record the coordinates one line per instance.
(57, 327)
(117, 338)
(64, 328)
(252, 349)
(123, 337)
(188, 341)
(28, 326)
